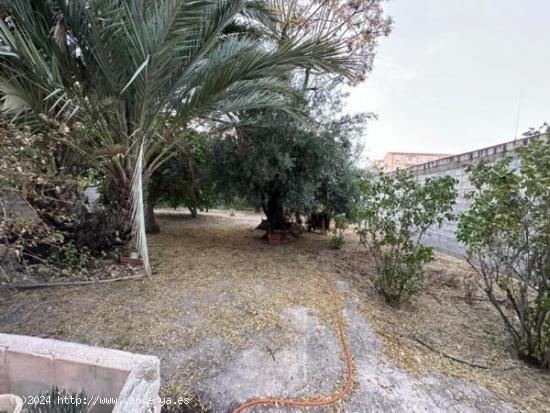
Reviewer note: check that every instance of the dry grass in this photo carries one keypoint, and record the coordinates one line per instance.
(442, 317)
(214, 277)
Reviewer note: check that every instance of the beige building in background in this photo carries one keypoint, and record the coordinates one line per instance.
(401, 160)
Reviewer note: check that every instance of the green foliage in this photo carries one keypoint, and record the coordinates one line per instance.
(285, 165)
(73, 257)
(341, 223)
(394, 213)
(131, 62)
(173, 54)
(269, 160)
(184, 179)
(506, 231)
(338, 188)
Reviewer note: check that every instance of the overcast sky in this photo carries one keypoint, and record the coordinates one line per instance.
(449, 77)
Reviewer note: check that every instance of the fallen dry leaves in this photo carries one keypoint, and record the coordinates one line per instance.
(442, 317)
(213, 276)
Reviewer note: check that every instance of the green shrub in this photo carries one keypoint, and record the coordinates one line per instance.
(73, 257)
(506, 231)
(336, 242)
(394, 214)
(341, 223)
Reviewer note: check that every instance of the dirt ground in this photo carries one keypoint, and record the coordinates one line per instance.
(232, 318)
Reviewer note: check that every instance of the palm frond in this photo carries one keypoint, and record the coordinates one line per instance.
(138, 211)
(158, 52)
(30, 78)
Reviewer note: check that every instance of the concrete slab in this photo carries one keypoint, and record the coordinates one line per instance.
(312, 367)
(112, 380)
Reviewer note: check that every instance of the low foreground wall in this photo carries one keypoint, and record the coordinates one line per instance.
(444, 239)
(112, 381)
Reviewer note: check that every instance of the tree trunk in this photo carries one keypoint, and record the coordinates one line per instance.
(151, 226)
(103, 228)
(119, 208)
(275, 214)
(193, 210)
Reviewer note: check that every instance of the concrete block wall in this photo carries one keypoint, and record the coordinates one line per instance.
(444, 239)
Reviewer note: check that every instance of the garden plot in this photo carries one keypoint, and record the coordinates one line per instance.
(232, 319)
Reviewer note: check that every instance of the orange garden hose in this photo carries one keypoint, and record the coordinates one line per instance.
(310, 403)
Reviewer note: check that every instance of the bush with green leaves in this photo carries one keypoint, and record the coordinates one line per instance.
(341, 223)
(184, 179)
(73, 257)
(395, 212)
(506, 231)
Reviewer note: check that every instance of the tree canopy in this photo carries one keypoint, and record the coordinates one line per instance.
(185, 178)
(286, 165)
(356, 24)
(111, 69)
(506, 231)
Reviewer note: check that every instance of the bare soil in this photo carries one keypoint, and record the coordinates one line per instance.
(232, 317)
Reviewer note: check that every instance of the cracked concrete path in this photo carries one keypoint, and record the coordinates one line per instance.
(312, 367)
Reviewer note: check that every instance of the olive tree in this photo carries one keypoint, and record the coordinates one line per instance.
(285, 165)
(506, 231)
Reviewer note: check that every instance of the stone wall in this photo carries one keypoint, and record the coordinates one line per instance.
(444, 239)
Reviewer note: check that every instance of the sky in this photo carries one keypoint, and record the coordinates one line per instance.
(451, 75)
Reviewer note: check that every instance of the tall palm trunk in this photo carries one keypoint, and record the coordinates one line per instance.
(120, 207)
(119, 202)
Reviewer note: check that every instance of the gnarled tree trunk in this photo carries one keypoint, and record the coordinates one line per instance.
(275, 215)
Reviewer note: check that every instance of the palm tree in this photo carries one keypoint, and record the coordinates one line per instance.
(111, 67)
